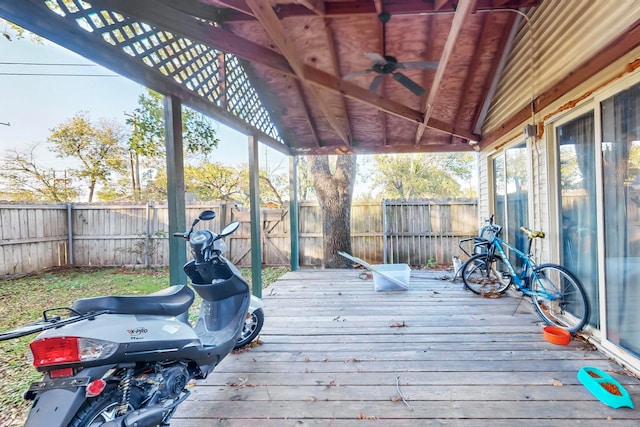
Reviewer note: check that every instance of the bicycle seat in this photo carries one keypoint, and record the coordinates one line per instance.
(532, 234)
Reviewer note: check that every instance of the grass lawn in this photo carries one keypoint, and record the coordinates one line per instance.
(22, 301)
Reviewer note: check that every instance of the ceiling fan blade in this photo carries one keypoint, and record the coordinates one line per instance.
(375, 83)
(356, 74)
(376, 58)
(409, 84)
(419, 65)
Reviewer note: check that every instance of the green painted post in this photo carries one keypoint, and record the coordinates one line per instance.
(293, 212)
(175, 189)
(254, 213)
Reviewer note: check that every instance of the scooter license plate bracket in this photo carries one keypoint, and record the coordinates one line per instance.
(66, 383)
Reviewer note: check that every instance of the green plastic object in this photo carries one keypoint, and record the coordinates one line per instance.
(594, 379)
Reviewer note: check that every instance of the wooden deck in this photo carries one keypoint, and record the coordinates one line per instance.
(336, 353)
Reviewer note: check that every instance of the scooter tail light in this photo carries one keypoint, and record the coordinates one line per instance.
(62, 350)
(61, 373)
(95, 387)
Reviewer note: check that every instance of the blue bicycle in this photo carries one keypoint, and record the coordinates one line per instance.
(556, 294)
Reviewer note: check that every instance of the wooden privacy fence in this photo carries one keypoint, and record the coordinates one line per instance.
(37, 236)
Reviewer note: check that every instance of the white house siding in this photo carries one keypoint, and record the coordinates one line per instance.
(565, 37)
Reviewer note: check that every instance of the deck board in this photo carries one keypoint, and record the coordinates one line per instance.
(335, 353)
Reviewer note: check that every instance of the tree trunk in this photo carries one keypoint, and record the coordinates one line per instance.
(334, 192)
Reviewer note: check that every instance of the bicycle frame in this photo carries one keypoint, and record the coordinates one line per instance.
(528, 269)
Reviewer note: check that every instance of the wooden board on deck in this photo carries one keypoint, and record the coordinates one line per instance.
(336, 353)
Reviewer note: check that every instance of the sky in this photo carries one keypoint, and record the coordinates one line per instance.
(43, 85)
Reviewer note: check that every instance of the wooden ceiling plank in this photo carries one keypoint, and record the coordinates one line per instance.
(490, 86)
(464, 9)
(620, 46)
(466, 90)
(307, 115)
(273, 27)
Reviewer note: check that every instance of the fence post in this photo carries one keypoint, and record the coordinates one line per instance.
(147, 243)
(70, 233)
(384, 231)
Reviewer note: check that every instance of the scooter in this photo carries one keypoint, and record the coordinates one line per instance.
(117, 361)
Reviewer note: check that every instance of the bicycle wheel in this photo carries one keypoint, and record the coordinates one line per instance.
(486, 274)
(559, 297)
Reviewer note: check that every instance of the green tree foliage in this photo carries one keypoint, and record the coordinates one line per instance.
(25, 180)
(147, 140)
(148, 134)
(274, 186)
(214, 181)
(306, 190)
(407, 176)
(98, 147)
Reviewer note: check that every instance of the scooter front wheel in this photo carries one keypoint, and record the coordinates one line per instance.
(251, 329)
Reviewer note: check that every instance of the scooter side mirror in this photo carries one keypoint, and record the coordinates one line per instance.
(207, 215)
(229, 229)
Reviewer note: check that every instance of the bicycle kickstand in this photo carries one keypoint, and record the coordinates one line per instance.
(517, 306)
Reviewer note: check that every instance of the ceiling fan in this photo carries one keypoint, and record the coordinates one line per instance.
(386, 64)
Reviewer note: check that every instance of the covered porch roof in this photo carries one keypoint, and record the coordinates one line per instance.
(304, 76)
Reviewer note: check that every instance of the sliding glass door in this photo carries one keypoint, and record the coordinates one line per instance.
(621, 188)
(575, 142)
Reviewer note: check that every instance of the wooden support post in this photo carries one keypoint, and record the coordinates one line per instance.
(254, 202)
(175, 189)
(293, 213)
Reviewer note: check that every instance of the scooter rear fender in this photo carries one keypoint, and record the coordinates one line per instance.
(55, 407)
(58, 406)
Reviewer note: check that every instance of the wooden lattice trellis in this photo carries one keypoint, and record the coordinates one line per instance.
(211, 74)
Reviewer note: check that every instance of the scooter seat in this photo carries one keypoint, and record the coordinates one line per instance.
(171, 301)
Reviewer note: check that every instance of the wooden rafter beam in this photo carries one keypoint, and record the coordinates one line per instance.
(316, 6)
(395, 148)
(293, 8)
(235, 5)
(273, 27)
(464, 9)
(333, 57)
